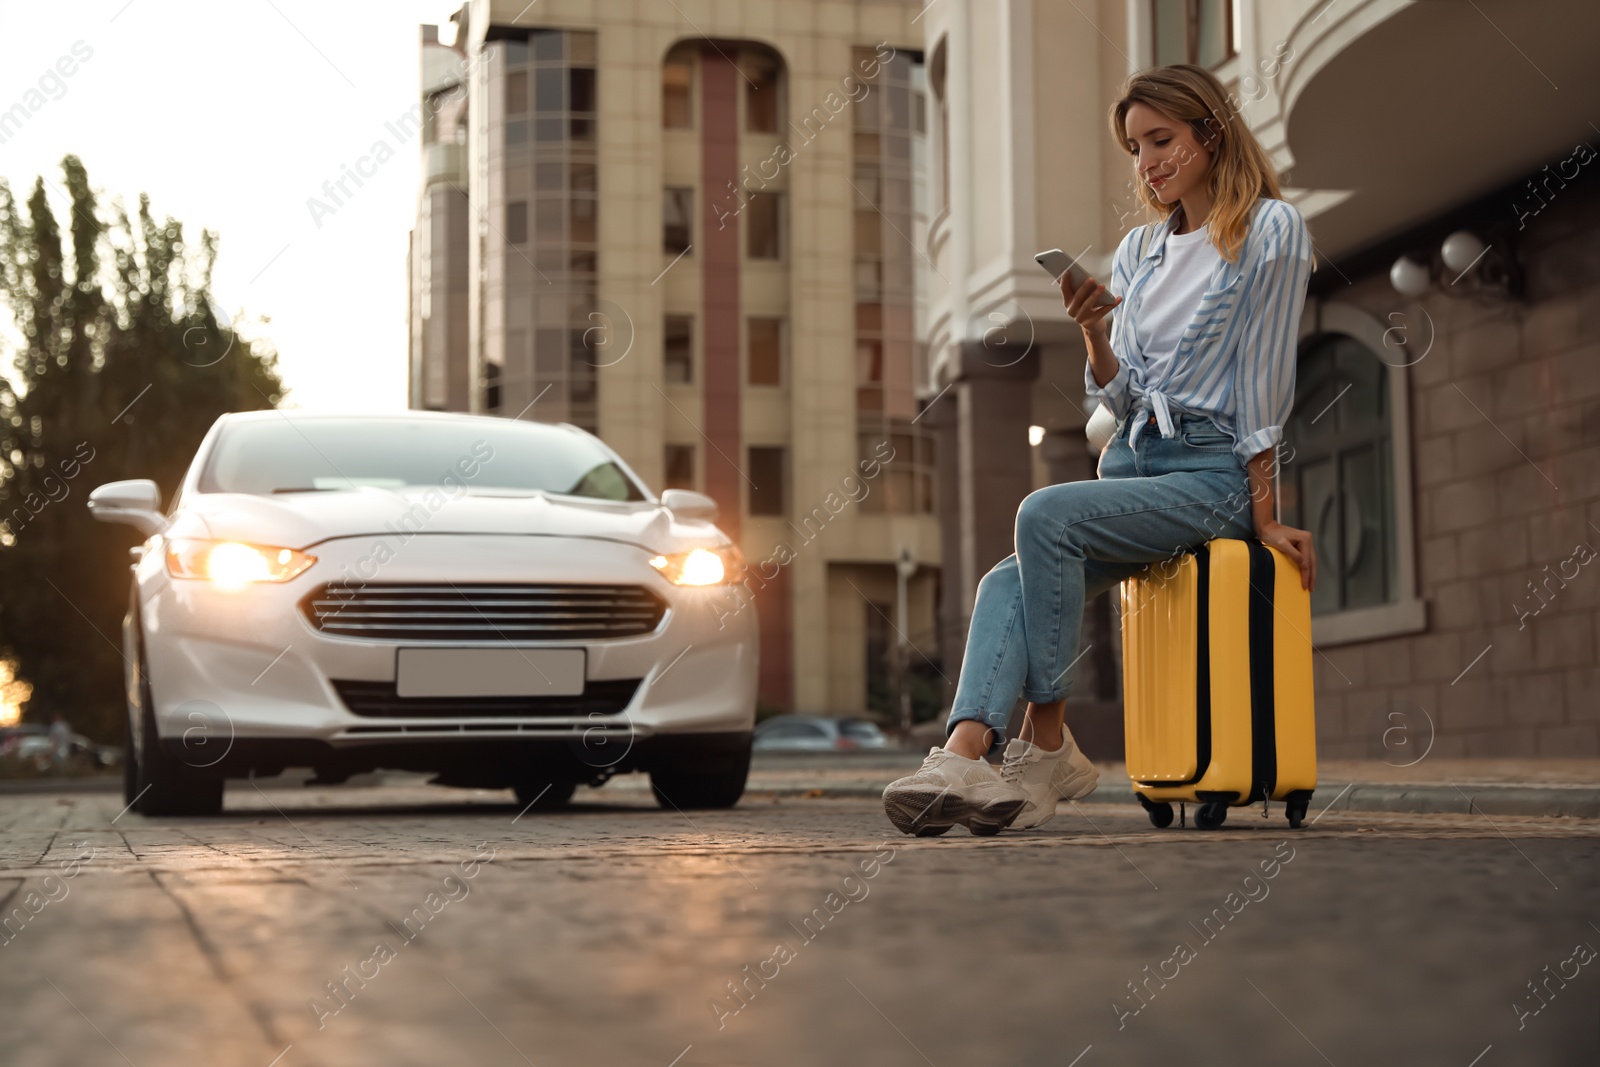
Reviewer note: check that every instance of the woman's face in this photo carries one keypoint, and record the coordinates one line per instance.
(1166, 155)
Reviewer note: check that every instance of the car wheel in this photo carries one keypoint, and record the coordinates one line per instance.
(711, 781)
(130, 761)
(163, 784)
(544, 794)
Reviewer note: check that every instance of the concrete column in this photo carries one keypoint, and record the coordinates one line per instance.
(1068, 458)
(940, 419)
(984, 472)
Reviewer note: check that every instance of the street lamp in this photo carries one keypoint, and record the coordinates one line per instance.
(904, 568)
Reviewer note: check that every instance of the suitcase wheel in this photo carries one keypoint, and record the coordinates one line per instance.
(1295, 806)
(1211, 814)
(1160, 812)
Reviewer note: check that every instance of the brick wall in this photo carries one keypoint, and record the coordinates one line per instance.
(1505, 412)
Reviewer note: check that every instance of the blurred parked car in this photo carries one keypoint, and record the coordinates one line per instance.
(12, 737)
(33, 742)
(500, 602)
(813, 733)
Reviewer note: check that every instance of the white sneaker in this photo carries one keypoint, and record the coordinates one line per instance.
(1047, 777)
(951, 789)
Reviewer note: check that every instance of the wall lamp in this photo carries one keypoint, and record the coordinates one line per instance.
(1463, 268)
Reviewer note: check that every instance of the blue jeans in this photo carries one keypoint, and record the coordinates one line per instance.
(1078, 539)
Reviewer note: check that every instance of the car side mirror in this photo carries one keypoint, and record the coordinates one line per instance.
(136, 502)
(687, 504)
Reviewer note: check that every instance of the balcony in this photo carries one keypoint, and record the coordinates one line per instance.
(444, 162)
(1414, 108)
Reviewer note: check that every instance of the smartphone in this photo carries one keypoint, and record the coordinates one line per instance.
(1058, 263)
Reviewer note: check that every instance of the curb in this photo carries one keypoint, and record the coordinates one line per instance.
(1572, 801)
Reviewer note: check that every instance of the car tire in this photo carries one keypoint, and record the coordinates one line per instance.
(130, 763)
(544, 794)
(162, 784)
(711, 781)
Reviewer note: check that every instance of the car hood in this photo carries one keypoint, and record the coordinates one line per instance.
(300, 520)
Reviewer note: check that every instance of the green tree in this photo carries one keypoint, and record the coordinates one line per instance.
(122, 366)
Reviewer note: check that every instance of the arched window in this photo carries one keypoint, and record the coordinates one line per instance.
(1344, 475)
(941, 130)
(1336, 476)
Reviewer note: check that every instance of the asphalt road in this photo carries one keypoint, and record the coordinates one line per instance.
(406, 924)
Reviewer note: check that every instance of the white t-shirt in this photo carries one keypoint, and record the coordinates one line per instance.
(1169, 299)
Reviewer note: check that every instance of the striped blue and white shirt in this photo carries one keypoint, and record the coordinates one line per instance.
(1235, 362)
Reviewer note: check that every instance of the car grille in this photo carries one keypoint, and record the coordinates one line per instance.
(462, 612)
(378, 700)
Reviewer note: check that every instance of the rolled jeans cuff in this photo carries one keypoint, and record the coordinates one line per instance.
(997, 742)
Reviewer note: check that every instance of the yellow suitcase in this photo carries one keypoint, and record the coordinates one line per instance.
(1217, 686)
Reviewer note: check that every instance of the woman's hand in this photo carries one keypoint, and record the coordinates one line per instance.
(1296, 544)
(1084, 306)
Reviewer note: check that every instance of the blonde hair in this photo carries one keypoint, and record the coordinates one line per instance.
(1241, 172)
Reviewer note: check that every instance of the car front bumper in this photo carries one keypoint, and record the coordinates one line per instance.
(247, 669)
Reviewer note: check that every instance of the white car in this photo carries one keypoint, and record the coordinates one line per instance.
(500, 602)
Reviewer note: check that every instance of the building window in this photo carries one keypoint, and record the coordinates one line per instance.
(936, 85)
(548, 86)
(491, 386)
(768, 481)
(677, 88)
(547, 215)
(583, 177)
(762, 89)
(764, 363)
(763, 222)
(677, 220)
(517, 93)
(1202, 32)
(678, 349)
(679, 467)
(580, 89)
(891, 202)
(547, 45)
(869, 369)
(444, 119)
(583, 220)
(517, 222)
(1336, 479)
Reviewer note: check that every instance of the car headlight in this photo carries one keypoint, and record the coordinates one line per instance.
(234, 564)
(716, 565)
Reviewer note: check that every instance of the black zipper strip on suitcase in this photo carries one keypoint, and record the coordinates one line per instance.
(1263, 710)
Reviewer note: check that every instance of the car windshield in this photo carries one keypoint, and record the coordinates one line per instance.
(289, 455)
(861, 731)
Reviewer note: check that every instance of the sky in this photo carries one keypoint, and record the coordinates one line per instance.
(232, 115)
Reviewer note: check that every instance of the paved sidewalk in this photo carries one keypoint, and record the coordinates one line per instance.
(409, 924)
(1492, 787)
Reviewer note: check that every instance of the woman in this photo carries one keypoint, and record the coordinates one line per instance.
(1199, 371)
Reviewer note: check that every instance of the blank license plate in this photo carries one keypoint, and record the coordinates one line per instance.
(489, 672)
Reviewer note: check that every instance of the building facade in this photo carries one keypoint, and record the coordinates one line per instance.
(436, 266)
(1443, 448)
(755, 245)
(701, 240)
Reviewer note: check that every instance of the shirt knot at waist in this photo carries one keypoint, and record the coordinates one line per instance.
(1153, 404)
